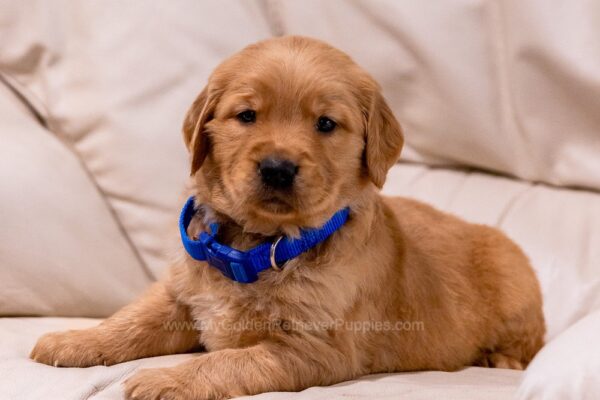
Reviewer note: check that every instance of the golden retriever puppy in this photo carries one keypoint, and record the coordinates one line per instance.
(290, 137)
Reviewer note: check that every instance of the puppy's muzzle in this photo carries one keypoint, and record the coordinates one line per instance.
(277, 173)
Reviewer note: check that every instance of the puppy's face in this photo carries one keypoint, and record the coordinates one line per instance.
(287, 132)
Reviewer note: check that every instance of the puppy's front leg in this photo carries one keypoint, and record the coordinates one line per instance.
(155, 324)
(288, 365)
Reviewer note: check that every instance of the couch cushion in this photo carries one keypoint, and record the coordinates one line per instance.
(494, 85)
(62, 252)
(21, 378)
(567, 367)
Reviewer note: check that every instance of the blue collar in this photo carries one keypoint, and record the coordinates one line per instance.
(244, 266)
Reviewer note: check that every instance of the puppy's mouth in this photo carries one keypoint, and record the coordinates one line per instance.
(275, 204)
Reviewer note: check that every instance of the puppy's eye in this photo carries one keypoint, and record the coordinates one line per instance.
(247, 117)
(325, 124)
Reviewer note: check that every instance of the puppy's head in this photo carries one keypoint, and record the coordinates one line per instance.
(287, 132)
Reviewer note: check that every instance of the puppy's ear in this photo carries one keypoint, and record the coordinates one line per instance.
(194, 134)
(383, 137)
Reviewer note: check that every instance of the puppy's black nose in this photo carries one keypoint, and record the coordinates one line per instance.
(277, 173)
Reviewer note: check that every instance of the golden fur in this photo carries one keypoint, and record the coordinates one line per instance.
(400, 287)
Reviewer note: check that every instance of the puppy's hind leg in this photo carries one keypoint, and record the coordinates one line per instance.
(499, 360)
(153, 325)
(514, 300)
(522, 339)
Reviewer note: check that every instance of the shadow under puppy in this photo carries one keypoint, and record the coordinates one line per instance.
(287, 133)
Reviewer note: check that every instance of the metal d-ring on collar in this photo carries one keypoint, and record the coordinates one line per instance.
(272, 255)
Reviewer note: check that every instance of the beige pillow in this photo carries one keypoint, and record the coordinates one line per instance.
(62, 252)
(495, 85)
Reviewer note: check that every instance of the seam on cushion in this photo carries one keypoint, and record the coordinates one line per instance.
(503, 174)
(412, 181)
(98, 389)
(44, 117)
(511, 203)
(508, 111)
(27, 98)
(273, 14)
(458, 189)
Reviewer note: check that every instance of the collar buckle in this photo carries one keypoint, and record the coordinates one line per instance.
(232, 263)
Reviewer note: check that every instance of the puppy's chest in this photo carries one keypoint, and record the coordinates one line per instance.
(229, 319)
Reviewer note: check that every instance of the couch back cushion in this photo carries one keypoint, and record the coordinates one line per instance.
(62, 252)
(511, 87)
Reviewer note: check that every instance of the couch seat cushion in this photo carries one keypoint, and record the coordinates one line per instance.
(21, 378)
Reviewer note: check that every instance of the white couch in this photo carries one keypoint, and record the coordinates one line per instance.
(500, 103)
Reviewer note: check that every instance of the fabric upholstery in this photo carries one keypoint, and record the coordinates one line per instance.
(567, 367)
(61, 250)
(507, 86)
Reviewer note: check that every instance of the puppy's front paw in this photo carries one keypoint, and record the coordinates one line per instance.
(70, 349)
(176, 383)
(157, 383)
